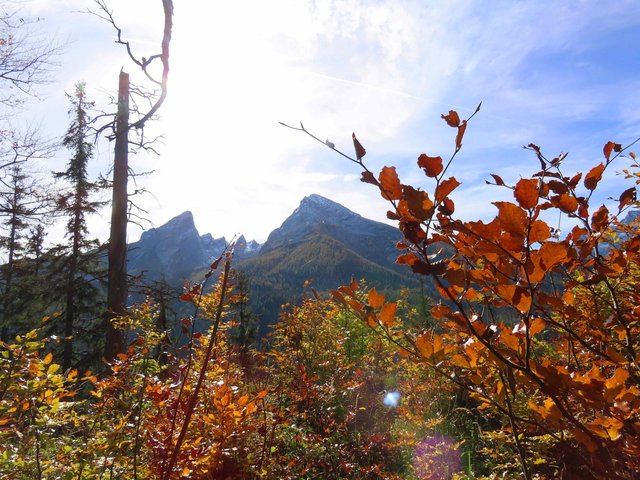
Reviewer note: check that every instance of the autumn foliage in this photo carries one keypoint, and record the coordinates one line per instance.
(526, 366)
(541, 329)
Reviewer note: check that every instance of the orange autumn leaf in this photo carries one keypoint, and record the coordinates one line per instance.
(376, 300)
(390, 183)
(446, 187)
(387, 314)
(526, 193)
(432, 166)
(593, 177)
(511, 217)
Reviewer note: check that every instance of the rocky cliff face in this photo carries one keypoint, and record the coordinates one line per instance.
(175, 250)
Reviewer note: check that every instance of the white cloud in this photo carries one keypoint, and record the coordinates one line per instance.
(384, 69)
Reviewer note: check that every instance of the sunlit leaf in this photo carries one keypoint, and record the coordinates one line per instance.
(452, 118)
(390, 183)
(446, 187)
(526, 193)
(387, 314)
(432, 166)
(593, 177)
(375, 299)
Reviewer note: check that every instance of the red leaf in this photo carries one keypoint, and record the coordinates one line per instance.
(611, 147)
(453, 120)
(593, 177)
(461, 130)
(367, 177)
(431, 165)
(186, 297)
(360, 151)
(390, 183)
(446, 187)
(526, 192)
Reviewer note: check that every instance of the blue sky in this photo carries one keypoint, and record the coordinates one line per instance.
(563, 75)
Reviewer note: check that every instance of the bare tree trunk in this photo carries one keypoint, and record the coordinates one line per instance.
(117, 290)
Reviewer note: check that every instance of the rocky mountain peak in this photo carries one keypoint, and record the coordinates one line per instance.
(181, 223)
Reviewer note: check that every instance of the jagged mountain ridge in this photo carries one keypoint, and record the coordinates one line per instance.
(321, 241)
(175, 250)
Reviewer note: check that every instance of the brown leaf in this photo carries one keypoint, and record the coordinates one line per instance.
(367, 177)
(600, 219)
(447, 207)
(452, 119)
(446, 187)
(497, 179)
(418, 202)
(360, 151)
(425, 345)
(519, 297)
(627, 197)
(557, 187)
(526, 193)
(461, 129)
(390, 183)
(609, 148)
(431, 165)
(593, 177)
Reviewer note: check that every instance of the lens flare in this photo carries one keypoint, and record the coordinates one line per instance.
(391, 399)
(436, 458)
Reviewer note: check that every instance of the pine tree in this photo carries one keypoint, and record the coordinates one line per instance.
(21, 204)
(77, 260)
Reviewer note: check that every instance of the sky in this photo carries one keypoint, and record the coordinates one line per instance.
(560, 74)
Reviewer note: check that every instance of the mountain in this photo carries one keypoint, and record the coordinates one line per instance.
(327, 243)
(175, 250)
(320, 241)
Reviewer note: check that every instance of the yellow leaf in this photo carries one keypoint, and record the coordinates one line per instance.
(48, 359)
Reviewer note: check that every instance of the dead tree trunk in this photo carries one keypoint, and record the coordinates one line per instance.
(117, 290)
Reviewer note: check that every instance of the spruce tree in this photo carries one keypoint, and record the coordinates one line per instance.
(21, 204)
(77, 260)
